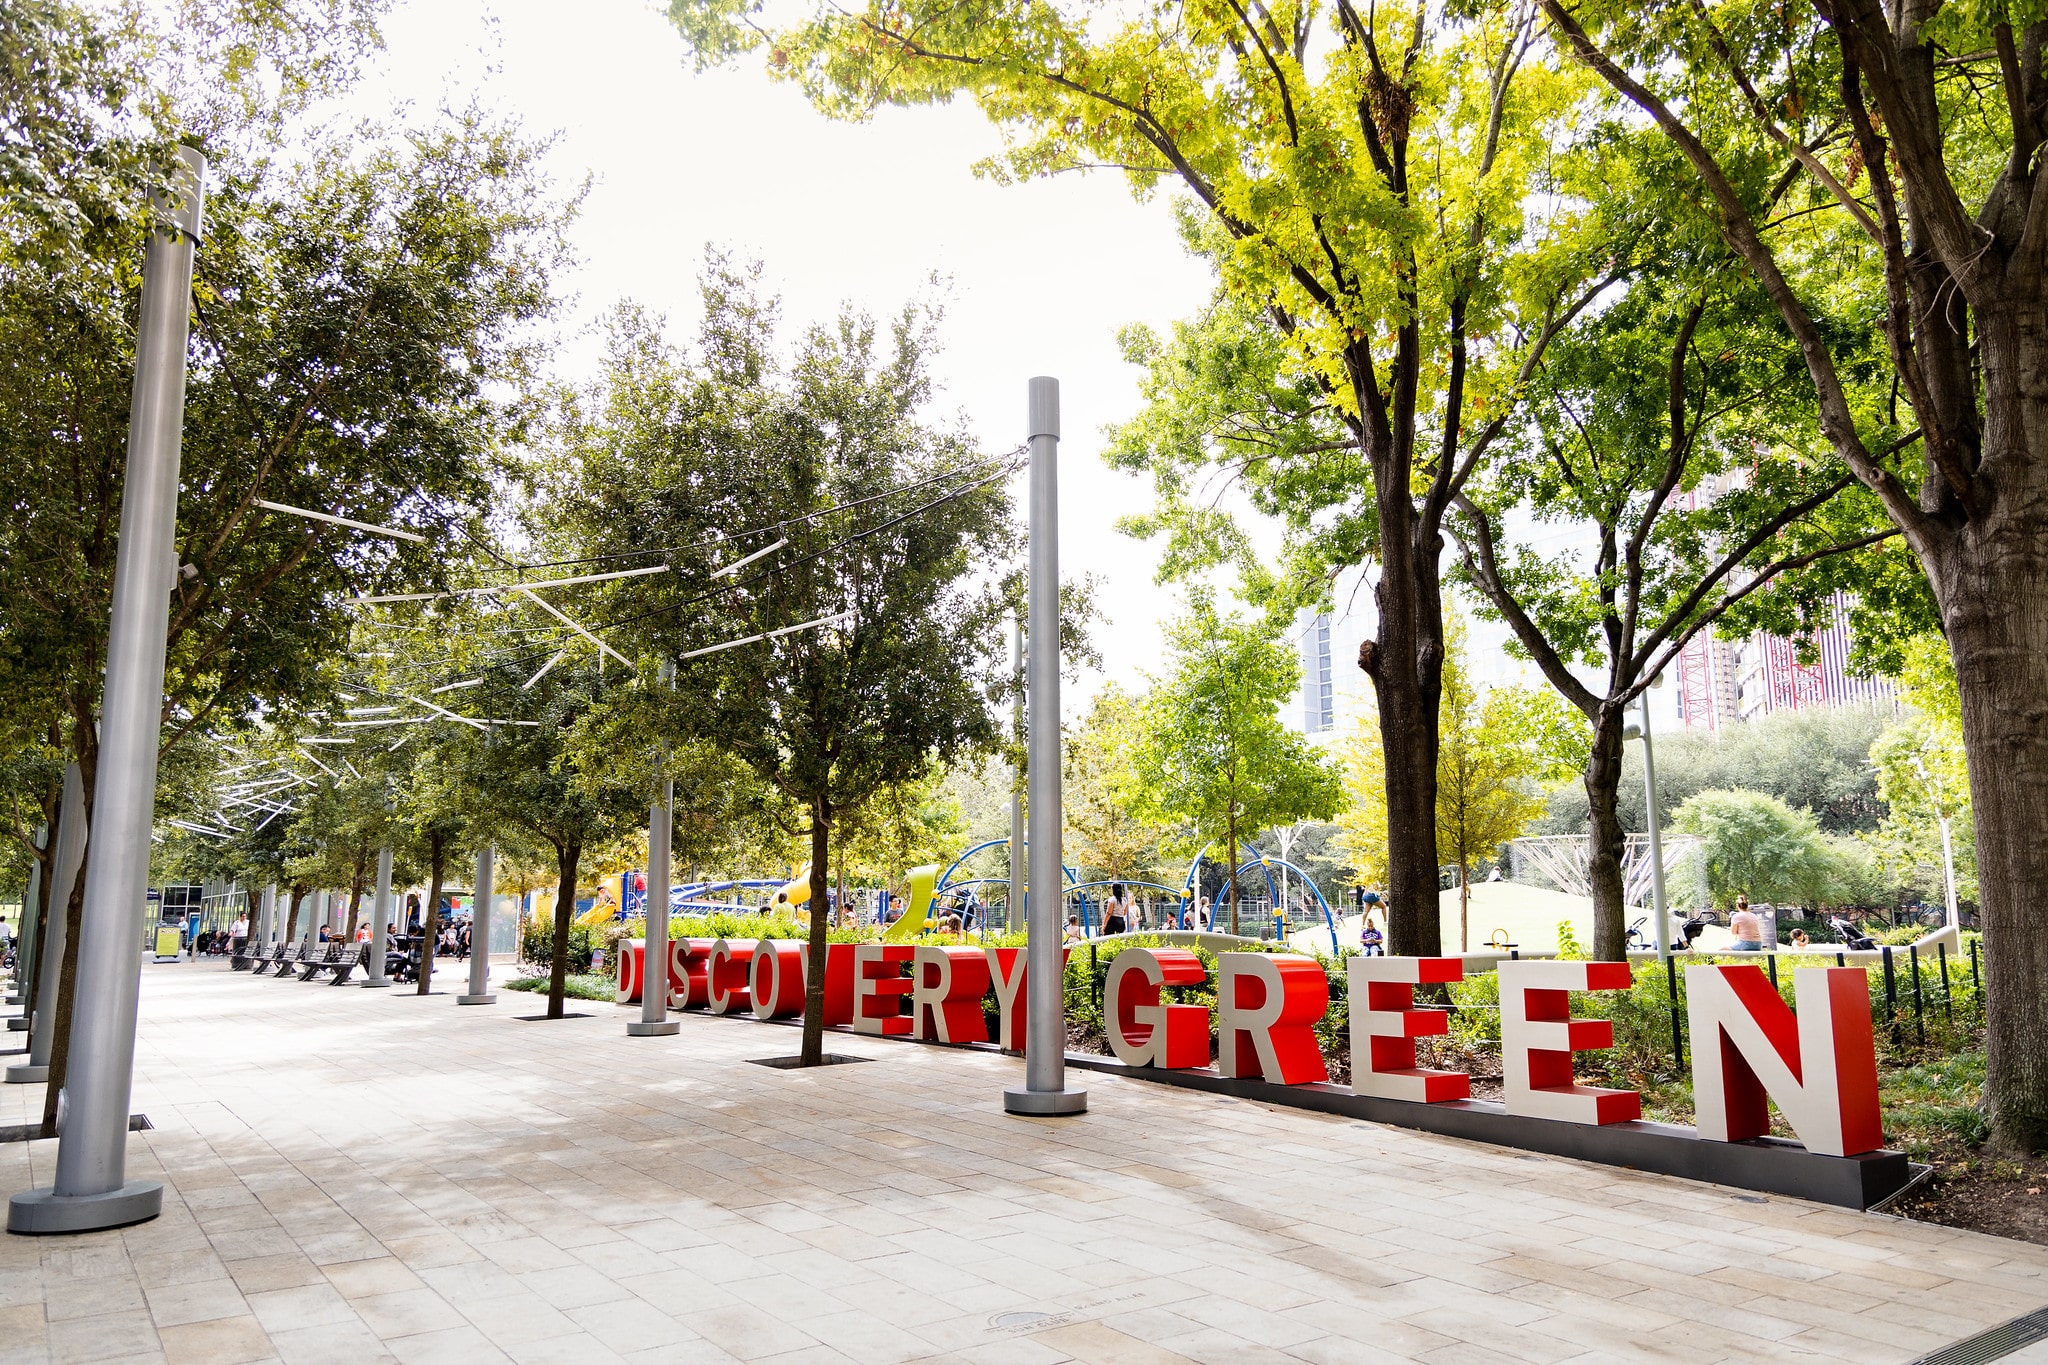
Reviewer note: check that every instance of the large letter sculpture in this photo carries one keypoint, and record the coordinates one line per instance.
(726, 974)
(1142, 1031)
(632, 964)
(838, 982)
(945, 995)
(879, 986)
(1267, 1005)
(689, 965)
(1385, 1025)
(1006, 970)
(1821, 1067)
(777, 978)
(1538, 1037)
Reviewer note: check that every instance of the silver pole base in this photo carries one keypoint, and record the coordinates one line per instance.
(41, 1212)
(18, 1024)
(27, 1075)
(487, 998)
(376, 983)
(1044, 1103)
(655, 1028)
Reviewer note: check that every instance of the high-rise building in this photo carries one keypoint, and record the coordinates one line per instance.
(1724, 681)
(1318, 681)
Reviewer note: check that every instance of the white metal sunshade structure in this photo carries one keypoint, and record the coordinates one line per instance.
(309, 513)
(833, 619)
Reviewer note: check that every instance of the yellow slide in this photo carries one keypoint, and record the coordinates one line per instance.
(912, 923)
(799, 889)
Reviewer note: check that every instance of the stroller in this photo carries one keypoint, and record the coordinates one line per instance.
(1852, 937)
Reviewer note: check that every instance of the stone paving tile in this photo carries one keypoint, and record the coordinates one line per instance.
(560, 1193)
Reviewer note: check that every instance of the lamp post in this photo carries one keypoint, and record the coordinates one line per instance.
(1013, 904)
(1045, 1089)
(1948, 849)
(1658, 913)
(91, 1189)
(661, 818)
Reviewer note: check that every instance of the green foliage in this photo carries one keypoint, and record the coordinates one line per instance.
(579, 986)
(1755, 845)
(537, 944)
(1497, 751)
(1816, 760)
(1211, 755)
(1107, 835)
(1924, 777)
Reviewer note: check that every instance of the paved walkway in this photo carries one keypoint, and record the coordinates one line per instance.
(366, 1175)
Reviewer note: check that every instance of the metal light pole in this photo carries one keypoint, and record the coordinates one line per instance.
(1657, 910)
(480, 992)
(1948, 848)
(91, 1188)
(1013, 905)
(70, 853)
(266, 917)
(654, 1021)
(23, 993)
(380, 909)
(1045, 1089)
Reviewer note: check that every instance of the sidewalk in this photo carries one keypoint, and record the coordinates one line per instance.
(366, 1175)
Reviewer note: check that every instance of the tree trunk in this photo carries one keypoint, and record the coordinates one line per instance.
(566, 857)
(1405, 662)
(1604, 838)
(291, 924)
(355, 906)
(1230, 865)
(67, 985)
(1464, 910)
(814, 983)
(46, 859)
(430, 922)
(1995, 608)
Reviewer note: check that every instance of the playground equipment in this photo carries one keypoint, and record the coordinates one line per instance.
(920, 908)
(1266, 864)
(946, 885)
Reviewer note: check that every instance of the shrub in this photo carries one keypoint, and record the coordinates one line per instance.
(576, 987)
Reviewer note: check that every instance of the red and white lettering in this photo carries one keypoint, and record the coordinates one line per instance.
(838, 982)
(945, 995)
(1538, 1037)
(1007, 971)
(1267, 1005)
(689, 959)
(776, 978)
(1385, 1025)
(879, 986)
(726, 972)
(1144, 1032)
(1821, 1067)
(632, 953)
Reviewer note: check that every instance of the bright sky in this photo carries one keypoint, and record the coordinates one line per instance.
(1041, 275)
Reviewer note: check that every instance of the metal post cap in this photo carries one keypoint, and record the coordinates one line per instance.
(1045, 408)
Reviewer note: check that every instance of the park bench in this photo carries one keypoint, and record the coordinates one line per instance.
(246, 956)
(291, 961)
(313, 966)
(259, 956)
(343, 965)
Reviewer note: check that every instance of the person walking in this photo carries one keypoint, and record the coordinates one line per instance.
(1116, 913)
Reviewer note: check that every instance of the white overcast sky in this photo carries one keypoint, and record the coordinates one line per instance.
(1041, 275)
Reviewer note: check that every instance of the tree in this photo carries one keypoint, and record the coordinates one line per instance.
(1668, 438)
(358, 308)
(1491, 772)
(1924, 779)
(1211, 755)
(859, 654)
(1755, 845)
(1099, 791)
(1365, 199)
(1944, 111)
(542, 777)
(1500, 750)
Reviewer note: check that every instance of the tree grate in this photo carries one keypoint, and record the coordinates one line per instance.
(1994, 1343)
